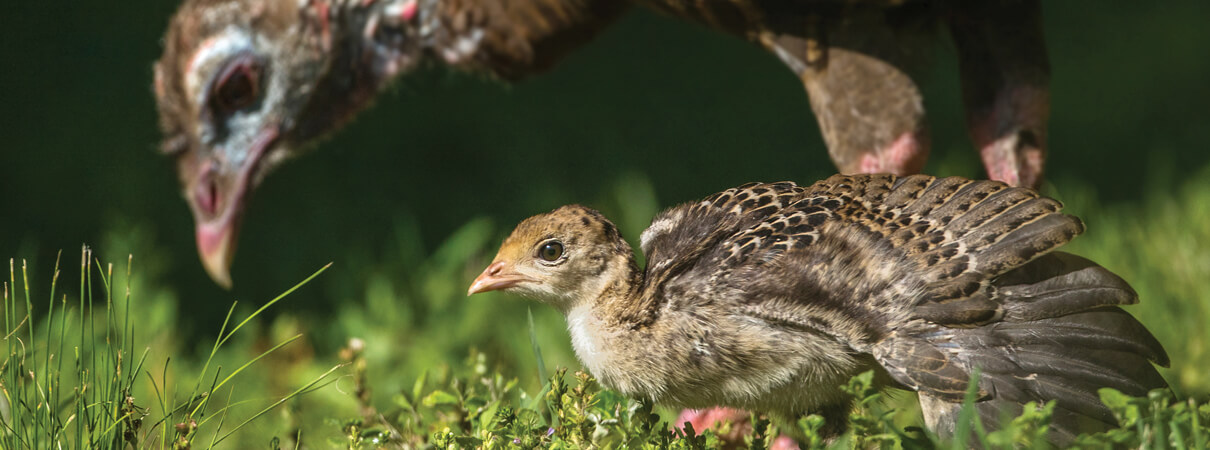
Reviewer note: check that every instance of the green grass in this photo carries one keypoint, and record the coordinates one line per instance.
(472, 407)
(1161, 246)
(395, 351)
(74, 375)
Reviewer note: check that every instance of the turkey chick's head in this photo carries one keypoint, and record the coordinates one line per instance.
(243, 85)
(565, 257)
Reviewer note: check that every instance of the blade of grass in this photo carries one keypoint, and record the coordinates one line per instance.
(205, 401)
(1198, 440)
(297, 392)
(223, 338)
(79, 357)
(222, 412)
(29, 313)
(533, 341)
(50, 313)
(115, 424)
(542, 378)
(967, 417)
(254, 360)
(214, 349)
(222, 417)
(275, 300)
(225, 408)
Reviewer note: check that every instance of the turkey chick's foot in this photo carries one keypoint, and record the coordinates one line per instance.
(741, 425)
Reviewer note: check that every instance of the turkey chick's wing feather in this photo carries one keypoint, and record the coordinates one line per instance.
(933, 277)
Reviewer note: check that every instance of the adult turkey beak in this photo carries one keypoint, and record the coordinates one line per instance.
(495, 277)
(216, 246)
(218, 198)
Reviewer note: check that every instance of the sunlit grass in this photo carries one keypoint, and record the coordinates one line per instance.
(472, 406)
(1161, 246)
(1138, 241)
(75, 374)
(409, 327)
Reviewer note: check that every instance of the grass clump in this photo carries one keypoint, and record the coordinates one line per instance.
(405, 303)
(72, 375)
(1151, 244)
(473, 407)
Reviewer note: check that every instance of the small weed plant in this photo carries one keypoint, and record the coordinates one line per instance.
(474, 407)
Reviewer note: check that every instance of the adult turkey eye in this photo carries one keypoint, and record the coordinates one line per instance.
(551, 251)
(237, 86)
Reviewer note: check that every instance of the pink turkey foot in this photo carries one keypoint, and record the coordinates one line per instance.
(1011, 133)
(703, 419)
(905, 156)
(1014, 158)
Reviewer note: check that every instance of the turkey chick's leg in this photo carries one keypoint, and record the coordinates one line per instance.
(857, 69)
(1005, 77)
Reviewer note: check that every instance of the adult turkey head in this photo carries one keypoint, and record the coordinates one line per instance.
(244, 84)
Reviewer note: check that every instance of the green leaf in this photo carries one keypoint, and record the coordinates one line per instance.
(467, 442)
(402, 401)
(488, 418)
(418, 386)
(1124, 408)
(440, 398)
(809, 426)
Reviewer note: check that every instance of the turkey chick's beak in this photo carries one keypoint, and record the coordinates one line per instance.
(218, 195)
(499, 275)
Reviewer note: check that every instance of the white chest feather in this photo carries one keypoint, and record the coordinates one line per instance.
(589, 345)
(684, 363)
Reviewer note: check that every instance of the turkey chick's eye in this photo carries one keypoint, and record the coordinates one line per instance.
(550, 251)
(237, 86)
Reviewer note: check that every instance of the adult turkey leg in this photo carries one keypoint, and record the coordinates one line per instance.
(858, 68)
(1005, 76)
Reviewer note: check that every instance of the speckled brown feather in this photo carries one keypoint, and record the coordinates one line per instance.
(936, 226)
(921, 278)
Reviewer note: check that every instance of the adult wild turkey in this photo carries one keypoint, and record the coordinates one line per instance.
(244, 84)
(768, 297)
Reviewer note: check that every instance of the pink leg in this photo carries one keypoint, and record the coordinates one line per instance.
(1012, 137)
(1005, 78)
(702, 419)
(906, 155)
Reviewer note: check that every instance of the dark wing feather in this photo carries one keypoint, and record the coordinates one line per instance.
(934, 277)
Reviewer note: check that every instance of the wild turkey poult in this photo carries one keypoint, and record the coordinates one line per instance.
(768, 297)
(245, 84)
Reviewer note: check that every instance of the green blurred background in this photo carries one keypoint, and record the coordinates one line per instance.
(411, 199)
